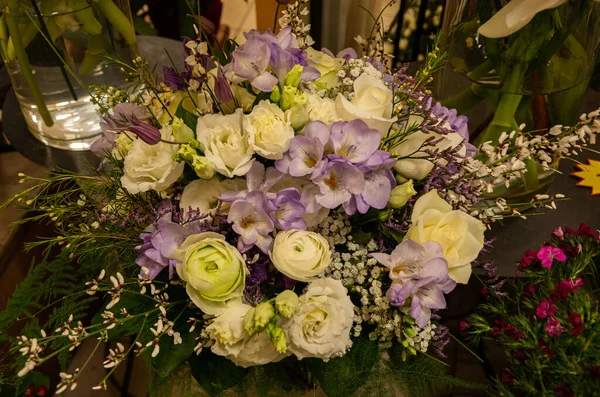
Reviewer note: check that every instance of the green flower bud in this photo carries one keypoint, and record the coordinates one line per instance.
(181, 131)
(287, 303)
(293, 77)
(278, 337)
(249, 321)
(409, 332)
(187, 153)
(287, 97)
(401, 194)
(263, 314)
(276, 94)
(383, 216)
(204, 167)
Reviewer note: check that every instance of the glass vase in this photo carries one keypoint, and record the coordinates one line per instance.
(54, 51)
(534, 74)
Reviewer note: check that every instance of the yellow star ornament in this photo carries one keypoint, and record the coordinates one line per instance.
(590, 175)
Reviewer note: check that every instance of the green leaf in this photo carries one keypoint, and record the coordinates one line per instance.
(361, 238)
(189, 118)
(171, 356)
(342, 376)
(34, 378)
(215, 373)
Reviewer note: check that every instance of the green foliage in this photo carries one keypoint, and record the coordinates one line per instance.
(171, 356)
(189, 118)
(215, 374)
(342, 376)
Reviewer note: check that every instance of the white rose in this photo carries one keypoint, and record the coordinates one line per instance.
(234, 343)
(300, 254)
(328, 67)
(418, 166)
(269, 132)
(459, 234)
(321, 325)
(372, 103)
(203, 194)
(225, 143)
(151, 167)
(322, 109)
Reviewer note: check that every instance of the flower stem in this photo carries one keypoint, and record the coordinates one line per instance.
(118, 19)
(21, 55)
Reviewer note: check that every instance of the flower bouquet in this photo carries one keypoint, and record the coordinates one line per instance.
(271, 217)
(547, 320)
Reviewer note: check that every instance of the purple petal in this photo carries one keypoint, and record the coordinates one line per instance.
(146, 132)
(265, 82)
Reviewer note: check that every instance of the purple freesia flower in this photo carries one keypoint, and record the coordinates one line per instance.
(286, 209)
(344, 162)
(280, 53)
(418, 272)
(173, 79)
(456, 123)
(222, 88)
(256, 211)
(251, 222)
(338, 183)
(122, 117)
(159, 244)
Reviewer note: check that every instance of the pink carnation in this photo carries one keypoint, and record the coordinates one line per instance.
(553, 327)
(548, 253)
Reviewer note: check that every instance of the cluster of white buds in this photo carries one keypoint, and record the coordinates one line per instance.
(76, 333)
(163, 326)
(118, 283)
(144, 280)
(93, 284)
(67, 380)
(32, 349)
(292, 16)
(198, 50)
(115, 356)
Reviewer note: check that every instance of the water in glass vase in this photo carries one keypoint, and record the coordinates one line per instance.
(57, 55)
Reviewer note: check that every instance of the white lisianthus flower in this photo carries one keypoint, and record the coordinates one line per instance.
(225, 143)
(514, 16)
(300, 254)
(227, 330)
(417, 166)
(322, 109)
(321, 325)
(269, 132)
(326, 65)
(203, 194)
(258, 350)
(151, 167)
(214, 271)
(372, 103)
(235, 344)
(459, 234)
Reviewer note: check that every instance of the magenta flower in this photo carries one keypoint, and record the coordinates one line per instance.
(548, 253)
(565, 287)
(553, 327)
(545, 309)
(559, 233)
(576, 323)
(463, 325)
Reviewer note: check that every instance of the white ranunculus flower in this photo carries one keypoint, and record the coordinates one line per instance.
(225, 143)
(514, 16)
(459, 234)
(151, 167)
(418, 166)
(203, 194)
(372, 103)
(269, 132)
(321, 325)
(326, 65)
(300, 254)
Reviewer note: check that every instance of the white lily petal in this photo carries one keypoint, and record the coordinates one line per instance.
(515, 15)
